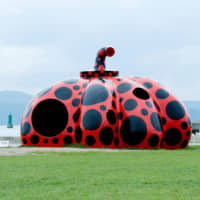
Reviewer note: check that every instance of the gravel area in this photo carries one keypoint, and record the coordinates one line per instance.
(20, 151)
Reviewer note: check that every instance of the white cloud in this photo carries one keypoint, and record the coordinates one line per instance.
(45, 41)
(17, 60)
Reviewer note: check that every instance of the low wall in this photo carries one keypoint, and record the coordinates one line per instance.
(195, 140)
(14, 141)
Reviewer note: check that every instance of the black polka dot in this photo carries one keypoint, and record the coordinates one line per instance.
(50, 117)
(161, 143)
(101, 80)
(133, 130)
(26, 128)
(67, 139)
(63, 93)
(111, 117)
(164, 120)
(85, 85)
(162, 94)
(76, 115)
(78, 134)
(55, 140)
(188, 133)
(90, 140)
(75, 102)
(130, 104)
(190, 123)
(92, 120)
(157, 106)
(121, 99)
(155, 121)
(141, 93)
(69, 129)
(71, 81)
(184, 125)
(124, 87)
(80, 93)
(153, 140)
(147, 85)
(116, 141)
(34, 139)
(149, 104)
(172, 136)
(45, 141)
(95, 94)
(144, 112)
(24, 141)
(116, 129)
(175, 110)
(113, 104)
(102, 107)
(28, 111)
(184, 143)
(113, 93)
(43, 92)
(120, 115)
(76, 87)
(106, 136)
(119, 79)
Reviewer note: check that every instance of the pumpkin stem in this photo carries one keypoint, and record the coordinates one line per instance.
(101, 56)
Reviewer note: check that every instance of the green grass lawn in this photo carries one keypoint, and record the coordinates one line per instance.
(145, 175)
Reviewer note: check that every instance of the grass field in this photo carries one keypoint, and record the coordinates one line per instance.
(145, 175)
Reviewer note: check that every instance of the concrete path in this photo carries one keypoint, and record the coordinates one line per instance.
(17, 151)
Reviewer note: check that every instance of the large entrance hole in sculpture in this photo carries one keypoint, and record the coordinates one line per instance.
(50, 117)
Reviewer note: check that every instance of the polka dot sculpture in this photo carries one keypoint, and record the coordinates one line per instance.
(102, 110)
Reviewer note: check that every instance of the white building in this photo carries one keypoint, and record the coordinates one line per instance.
(196, 127)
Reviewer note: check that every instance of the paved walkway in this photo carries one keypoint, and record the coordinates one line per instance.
(17, 151)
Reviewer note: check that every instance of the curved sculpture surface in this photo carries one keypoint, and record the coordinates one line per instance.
(102, 110)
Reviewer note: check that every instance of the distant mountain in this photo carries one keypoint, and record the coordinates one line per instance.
(13, 102)
(16, 102)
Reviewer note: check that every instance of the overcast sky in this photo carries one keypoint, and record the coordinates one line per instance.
(46, 41)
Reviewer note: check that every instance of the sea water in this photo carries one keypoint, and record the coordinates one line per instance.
(10, 132)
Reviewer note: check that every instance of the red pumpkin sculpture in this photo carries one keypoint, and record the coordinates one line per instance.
(102, 110)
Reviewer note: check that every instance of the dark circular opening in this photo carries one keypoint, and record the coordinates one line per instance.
(141, 93)
(55, 140)
(184, 125)
(106, 136)
(153, 140)
(67, 139)
(90, 140)
(69, 129)
(116, 141)
(24, 141)
(188, 133)
(184, 144)
(172, 136)
(133, 130)
(49, 118)
(45, 141)
(78, 134)
(34, 139)
(111, 117)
